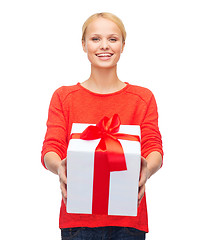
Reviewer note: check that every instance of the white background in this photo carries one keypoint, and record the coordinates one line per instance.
(166, 51)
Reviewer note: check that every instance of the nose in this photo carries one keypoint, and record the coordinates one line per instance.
(104, 44)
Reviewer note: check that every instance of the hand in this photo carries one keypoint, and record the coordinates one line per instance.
(63, 179)
(144, 175)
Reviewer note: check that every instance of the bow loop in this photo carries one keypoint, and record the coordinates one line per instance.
(91, 133)
(110, 125)
(106, 127)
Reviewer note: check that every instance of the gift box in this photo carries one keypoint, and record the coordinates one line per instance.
(103, 168)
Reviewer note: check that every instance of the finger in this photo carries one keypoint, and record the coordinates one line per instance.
(142, 180)
(141, 193)
(64, 164)
(63, 178)
(65, 200)
(143, 162)
(143, 172)
(140, 199)
(62, 175)
(63, 190)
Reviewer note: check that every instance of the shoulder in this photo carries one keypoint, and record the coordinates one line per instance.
(64, 91)
(141, 92)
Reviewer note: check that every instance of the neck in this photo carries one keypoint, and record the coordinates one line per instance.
(103, 80)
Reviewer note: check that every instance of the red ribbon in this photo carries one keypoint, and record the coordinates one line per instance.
(109, 157)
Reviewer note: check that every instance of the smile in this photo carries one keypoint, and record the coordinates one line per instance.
(104, 54)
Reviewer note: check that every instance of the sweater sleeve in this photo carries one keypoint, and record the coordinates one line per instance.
(151, 139)
(55, 138)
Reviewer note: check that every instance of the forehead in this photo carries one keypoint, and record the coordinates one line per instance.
(103, 26)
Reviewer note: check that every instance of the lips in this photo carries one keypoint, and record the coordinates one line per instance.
(103, 55)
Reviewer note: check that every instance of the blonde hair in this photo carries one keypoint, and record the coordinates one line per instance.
(108, 16)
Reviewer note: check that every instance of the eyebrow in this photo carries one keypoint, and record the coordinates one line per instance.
(109, 35)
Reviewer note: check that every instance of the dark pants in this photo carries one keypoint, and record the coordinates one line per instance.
(102, 233)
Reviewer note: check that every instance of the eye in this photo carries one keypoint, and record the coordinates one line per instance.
(95, 39)
(113, 39)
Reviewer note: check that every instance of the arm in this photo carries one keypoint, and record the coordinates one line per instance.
(52, 162)
(151, 145)
(56, 134)
(55, 142)
(154, 163)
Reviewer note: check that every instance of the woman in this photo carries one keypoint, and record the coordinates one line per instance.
(103, 94)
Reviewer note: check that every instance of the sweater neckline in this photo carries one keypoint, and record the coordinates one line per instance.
(104, 94)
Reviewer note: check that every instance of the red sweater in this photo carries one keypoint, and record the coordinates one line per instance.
(75, 104)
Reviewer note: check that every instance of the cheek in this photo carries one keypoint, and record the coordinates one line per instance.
(117, 48)
(91, 48)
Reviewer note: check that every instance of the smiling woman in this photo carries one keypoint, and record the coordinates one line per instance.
(102, 96)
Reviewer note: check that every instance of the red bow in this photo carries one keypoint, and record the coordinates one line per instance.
(106, 129)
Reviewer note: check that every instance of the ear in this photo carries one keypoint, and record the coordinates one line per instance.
(123, 44)
(84, 46)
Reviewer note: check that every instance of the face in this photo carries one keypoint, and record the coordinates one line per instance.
(103, 43)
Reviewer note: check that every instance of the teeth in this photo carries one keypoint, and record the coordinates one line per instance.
(104, 55)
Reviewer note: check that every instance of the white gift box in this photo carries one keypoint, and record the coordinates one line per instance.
(123, 188)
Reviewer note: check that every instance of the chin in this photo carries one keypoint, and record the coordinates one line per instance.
(105, 66)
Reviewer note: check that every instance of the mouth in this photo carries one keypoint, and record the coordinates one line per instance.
(104, 56)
